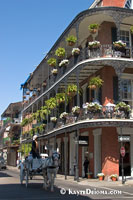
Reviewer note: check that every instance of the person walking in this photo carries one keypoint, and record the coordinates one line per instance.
(86, 166)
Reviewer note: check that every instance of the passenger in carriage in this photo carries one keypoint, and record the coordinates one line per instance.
(35, 148)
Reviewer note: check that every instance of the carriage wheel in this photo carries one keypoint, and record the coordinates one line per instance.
(22, 174)
(26, 177)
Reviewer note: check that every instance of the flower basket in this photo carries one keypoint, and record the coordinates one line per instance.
(94, 45)
(98, 82)
(76, 111)
(31, 88)
(71, 40)
(63, 117)
(119, 45)
(27, 93)
(54, 72)
(75, 51)
(114, 177)
(101, 176)
(52, 62)
(44, 84)
(60, 52)
(93, 28)
(63, 63)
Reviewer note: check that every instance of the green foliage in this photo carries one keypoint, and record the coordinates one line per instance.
(52, 62)
(24, 122)
(98, 82)
(122, 106)
(38, 115)
(71, 38)
(25, 149)
(31, 132)
(51, 103)
(72, 88)
(60, 52)
(42, 127)
(60, 98)
(16, 142)
(93, 26)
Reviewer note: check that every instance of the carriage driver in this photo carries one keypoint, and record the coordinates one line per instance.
(35, 149)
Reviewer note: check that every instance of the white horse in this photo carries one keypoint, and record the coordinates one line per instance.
(49, 169)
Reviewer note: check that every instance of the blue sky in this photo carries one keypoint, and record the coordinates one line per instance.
(28, 29)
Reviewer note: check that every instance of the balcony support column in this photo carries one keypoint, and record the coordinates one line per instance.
(77, 80)
(77, 154)
(119, 70)
(65, 81)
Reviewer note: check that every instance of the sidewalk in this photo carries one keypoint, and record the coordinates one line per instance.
(89, 182)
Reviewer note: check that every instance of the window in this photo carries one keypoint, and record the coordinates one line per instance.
(128, 4)
(124, 36)
(126, 89)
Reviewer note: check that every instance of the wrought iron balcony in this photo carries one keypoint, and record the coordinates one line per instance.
(104, 51)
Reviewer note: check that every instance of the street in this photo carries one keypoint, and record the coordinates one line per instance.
(11, 189)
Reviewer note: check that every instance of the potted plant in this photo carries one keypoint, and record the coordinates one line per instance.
(100, 176)
(44, 84)
(71, 40)
(123, 107)
(31, 88)
(60, 52)
(114, 177)
(75, 51)
(71, 90)
(60, 98)
(95, 82)
(93, 28)
(63, 116)
(52, 62)
(76, 110)
(54, 120)
(119, 45)
(24, 97)
(94, 44)
(54, 72)
(27, 92)
(94, 107)
(63, 63)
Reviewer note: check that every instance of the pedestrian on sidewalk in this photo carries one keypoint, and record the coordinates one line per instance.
(86, 166)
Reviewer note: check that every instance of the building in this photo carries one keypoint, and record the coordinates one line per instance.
(10, 132)
(99, 136)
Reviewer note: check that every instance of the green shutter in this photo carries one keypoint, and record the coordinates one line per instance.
(114, 34)
(115, 89)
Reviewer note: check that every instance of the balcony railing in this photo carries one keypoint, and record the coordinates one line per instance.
(104, 51)
(104, 114)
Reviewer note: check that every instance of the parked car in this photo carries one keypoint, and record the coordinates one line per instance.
(2, 163)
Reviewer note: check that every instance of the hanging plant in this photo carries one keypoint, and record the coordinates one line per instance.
(54, 72)
(71, 89)
(52, 62)
(93, 28)
(60, 52)
(27, 92)
(95, 82)
(63, 63)
(94, 44)
(71, 40)
(75, 51)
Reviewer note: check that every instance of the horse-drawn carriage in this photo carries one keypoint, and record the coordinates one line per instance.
(46, 167)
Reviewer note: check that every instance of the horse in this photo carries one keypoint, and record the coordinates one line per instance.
(49, 169)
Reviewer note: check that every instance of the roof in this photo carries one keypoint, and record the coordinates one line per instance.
(12, 109)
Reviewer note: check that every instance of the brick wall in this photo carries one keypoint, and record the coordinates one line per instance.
(117, 3)
(110, 151)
